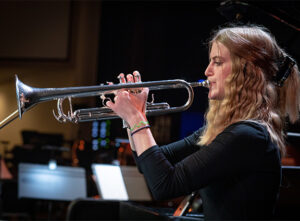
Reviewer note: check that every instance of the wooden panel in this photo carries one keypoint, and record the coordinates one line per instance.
(34, 29)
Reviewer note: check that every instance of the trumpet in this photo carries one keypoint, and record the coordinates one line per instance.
(28, 97)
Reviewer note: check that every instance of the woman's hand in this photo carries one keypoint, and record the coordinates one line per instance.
(130, 104)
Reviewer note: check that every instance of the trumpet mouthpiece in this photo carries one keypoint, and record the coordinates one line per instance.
(204, 83)
(200, 83)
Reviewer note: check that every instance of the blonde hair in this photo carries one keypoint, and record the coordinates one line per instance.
(250, 90)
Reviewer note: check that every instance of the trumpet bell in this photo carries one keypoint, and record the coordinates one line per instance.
(24, 99)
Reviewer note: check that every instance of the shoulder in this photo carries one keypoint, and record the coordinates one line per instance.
(247, 128)
(246, 132)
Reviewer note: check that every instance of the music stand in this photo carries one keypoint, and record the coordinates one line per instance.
(120, 183)
(64, 183)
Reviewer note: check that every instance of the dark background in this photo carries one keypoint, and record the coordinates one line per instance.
(168, 40)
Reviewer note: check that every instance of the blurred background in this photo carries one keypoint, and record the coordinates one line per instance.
(51, 44)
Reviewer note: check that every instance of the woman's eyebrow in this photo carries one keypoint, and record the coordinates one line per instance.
(216, 57)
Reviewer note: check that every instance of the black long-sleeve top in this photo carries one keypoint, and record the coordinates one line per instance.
(238, 175)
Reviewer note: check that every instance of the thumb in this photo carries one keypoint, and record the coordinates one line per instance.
(110, 104)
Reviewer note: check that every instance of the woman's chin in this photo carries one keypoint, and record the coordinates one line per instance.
(214, 97)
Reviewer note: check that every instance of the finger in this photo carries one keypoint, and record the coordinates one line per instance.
(121, 78)
(105, 100)
(129, 78)
(137, 77)
(111, 83)
(110, 104)
(116, 99)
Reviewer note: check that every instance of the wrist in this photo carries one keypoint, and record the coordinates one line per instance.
(138, 129)
(139, 125)
(137, 121)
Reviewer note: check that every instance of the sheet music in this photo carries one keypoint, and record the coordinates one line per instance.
(110, 182)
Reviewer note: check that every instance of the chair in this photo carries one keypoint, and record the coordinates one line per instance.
(288, 205)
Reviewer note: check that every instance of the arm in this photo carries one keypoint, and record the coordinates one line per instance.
(176, 151)
(130, 139)
(179, 150)
(232, 152)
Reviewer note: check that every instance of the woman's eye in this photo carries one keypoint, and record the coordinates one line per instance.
(218, 63)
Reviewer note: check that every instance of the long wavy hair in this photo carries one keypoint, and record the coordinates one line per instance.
(250, 91)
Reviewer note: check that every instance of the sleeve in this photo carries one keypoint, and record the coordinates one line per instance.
(176, 151)
(179, 150)
(232, 151)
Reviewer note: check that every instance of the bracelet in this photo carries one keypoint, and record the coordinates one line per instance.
(142, 128)
(139, 125)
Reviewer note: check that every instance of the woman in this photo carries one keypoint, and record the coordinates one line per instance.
(235, 159)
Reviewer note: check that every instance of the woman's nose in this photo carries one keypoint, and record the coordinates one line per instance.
(208, 71)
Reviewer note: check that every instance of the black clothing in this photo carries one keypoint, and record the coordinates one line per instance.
(238, 174)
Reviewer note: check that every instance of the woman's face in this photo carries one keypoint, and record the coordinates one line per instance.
(218, 69)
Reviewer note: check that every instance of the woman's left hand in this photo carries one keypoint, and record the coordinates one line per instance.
(130, 104)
